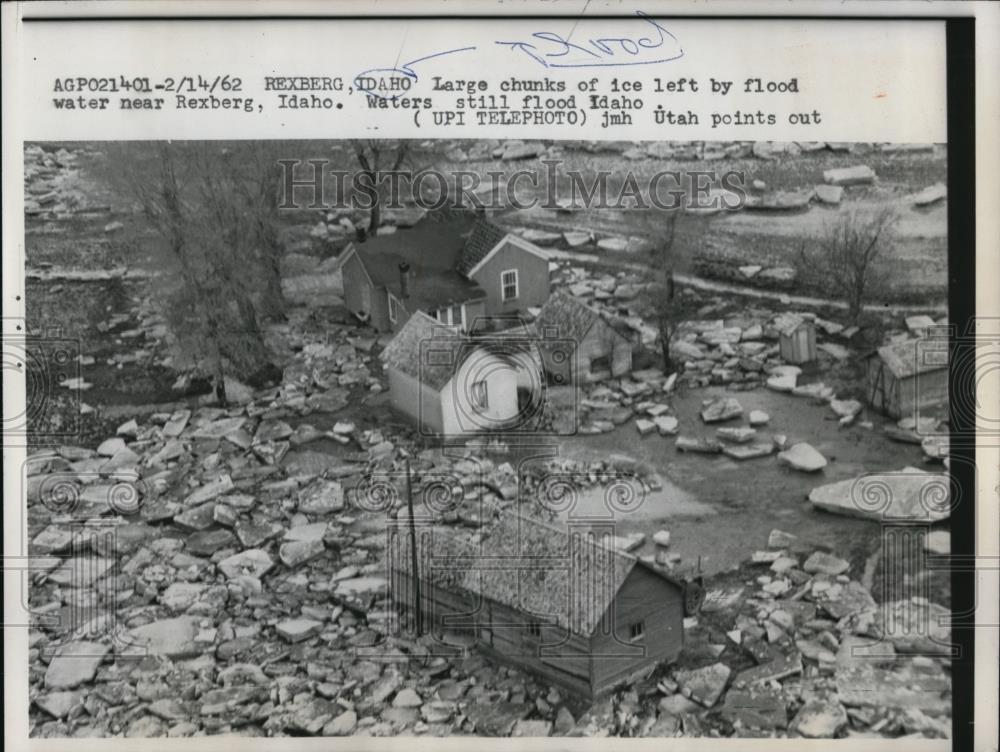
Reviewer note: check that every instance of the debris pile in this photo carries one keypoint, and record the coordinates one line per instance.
(52, 185)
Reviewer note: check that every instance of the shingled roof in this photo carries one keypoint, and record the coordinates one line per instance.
(913, 356)
(484, 238)
(787, 324)
(426, 350)
(433, 251)
(533, 567)
(564, 317)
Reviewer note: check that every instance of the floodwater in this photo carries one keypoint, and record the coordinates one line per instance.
(722, 510)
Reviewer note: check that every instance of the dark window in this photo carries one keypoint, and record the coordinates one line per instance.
(534, 629)
(637, 630)
(600, 364)
(480, 395)
(508, 284)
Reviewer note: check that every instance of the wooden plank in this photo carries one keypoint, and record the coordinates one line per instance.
(659, 605)
(569, 681)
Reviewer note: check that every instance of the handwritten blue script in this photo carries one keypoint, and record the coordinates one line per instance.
(654, 44)
(554, 51)
(405, 69)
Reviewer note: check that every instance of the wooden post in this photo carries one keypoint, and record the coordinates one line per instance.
(413, 554)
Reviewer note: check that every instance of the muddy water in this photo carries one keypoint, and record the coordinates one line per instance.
(721, 509)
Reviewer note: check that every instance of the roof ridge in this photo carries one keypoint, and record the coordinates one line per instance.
(565, 532)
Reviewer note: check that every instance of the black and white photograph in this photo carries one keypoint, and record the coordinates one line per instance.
(498, 438)
(500, 376)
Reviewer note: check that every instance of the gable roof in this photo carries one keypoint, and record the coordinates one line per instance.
(443, 251)
(530, 566)
(426, 350)
(913, 356)
(483, 238)
(564, 317)
(432, 250)
(787, 324)
(568, 317)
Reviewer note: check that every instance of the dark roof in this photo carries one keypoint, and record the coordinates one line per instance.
(564, 317)
(484, 238)
(913, 356)
(530, 566)
(433, 250)
(426, 350)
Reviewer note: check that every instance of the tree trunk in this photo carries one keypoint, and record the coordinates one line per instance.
(375, 220)
(854, 308)
(220, 388)
(665, 335)
(220, 375)
(275, 297)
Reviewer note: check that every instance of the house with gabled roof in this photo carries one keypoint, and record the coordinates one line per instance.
(602, 345)
(559, 601)
(455, 269)
(908, 378)
(452, 384)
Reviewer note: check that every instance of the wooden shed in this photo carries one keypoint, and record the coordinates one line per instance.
(908, 377)
(796, 338)
(579, 344)
(557, 601)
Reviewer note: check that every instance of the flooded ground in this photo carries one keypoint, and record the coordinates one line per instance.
(721, 509)
(717, 509)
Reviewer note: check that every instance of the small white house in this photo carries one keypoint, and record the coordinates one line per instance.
(450, 384)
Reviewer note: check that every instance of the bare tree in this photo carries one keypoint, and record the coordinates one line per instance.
(377, 158)
(850, 257)
(214, 209)
(659, 298)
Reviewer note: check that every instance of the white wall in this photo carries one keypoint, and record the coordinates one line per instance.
(460, 415)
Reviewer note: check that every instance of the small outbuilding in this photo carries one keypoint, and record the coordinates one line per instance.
(580, 344)
(451, 384)
(556, 601)
(907, 378)
(796, 338)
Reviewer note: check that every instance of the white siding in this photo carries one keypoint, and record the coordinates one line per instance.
(460, 415)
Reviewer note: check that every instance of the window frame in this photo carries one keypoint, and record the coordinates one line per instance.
(634, 634)
(444, 316)
(393, 308)
(484, 403)
(503, 285)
